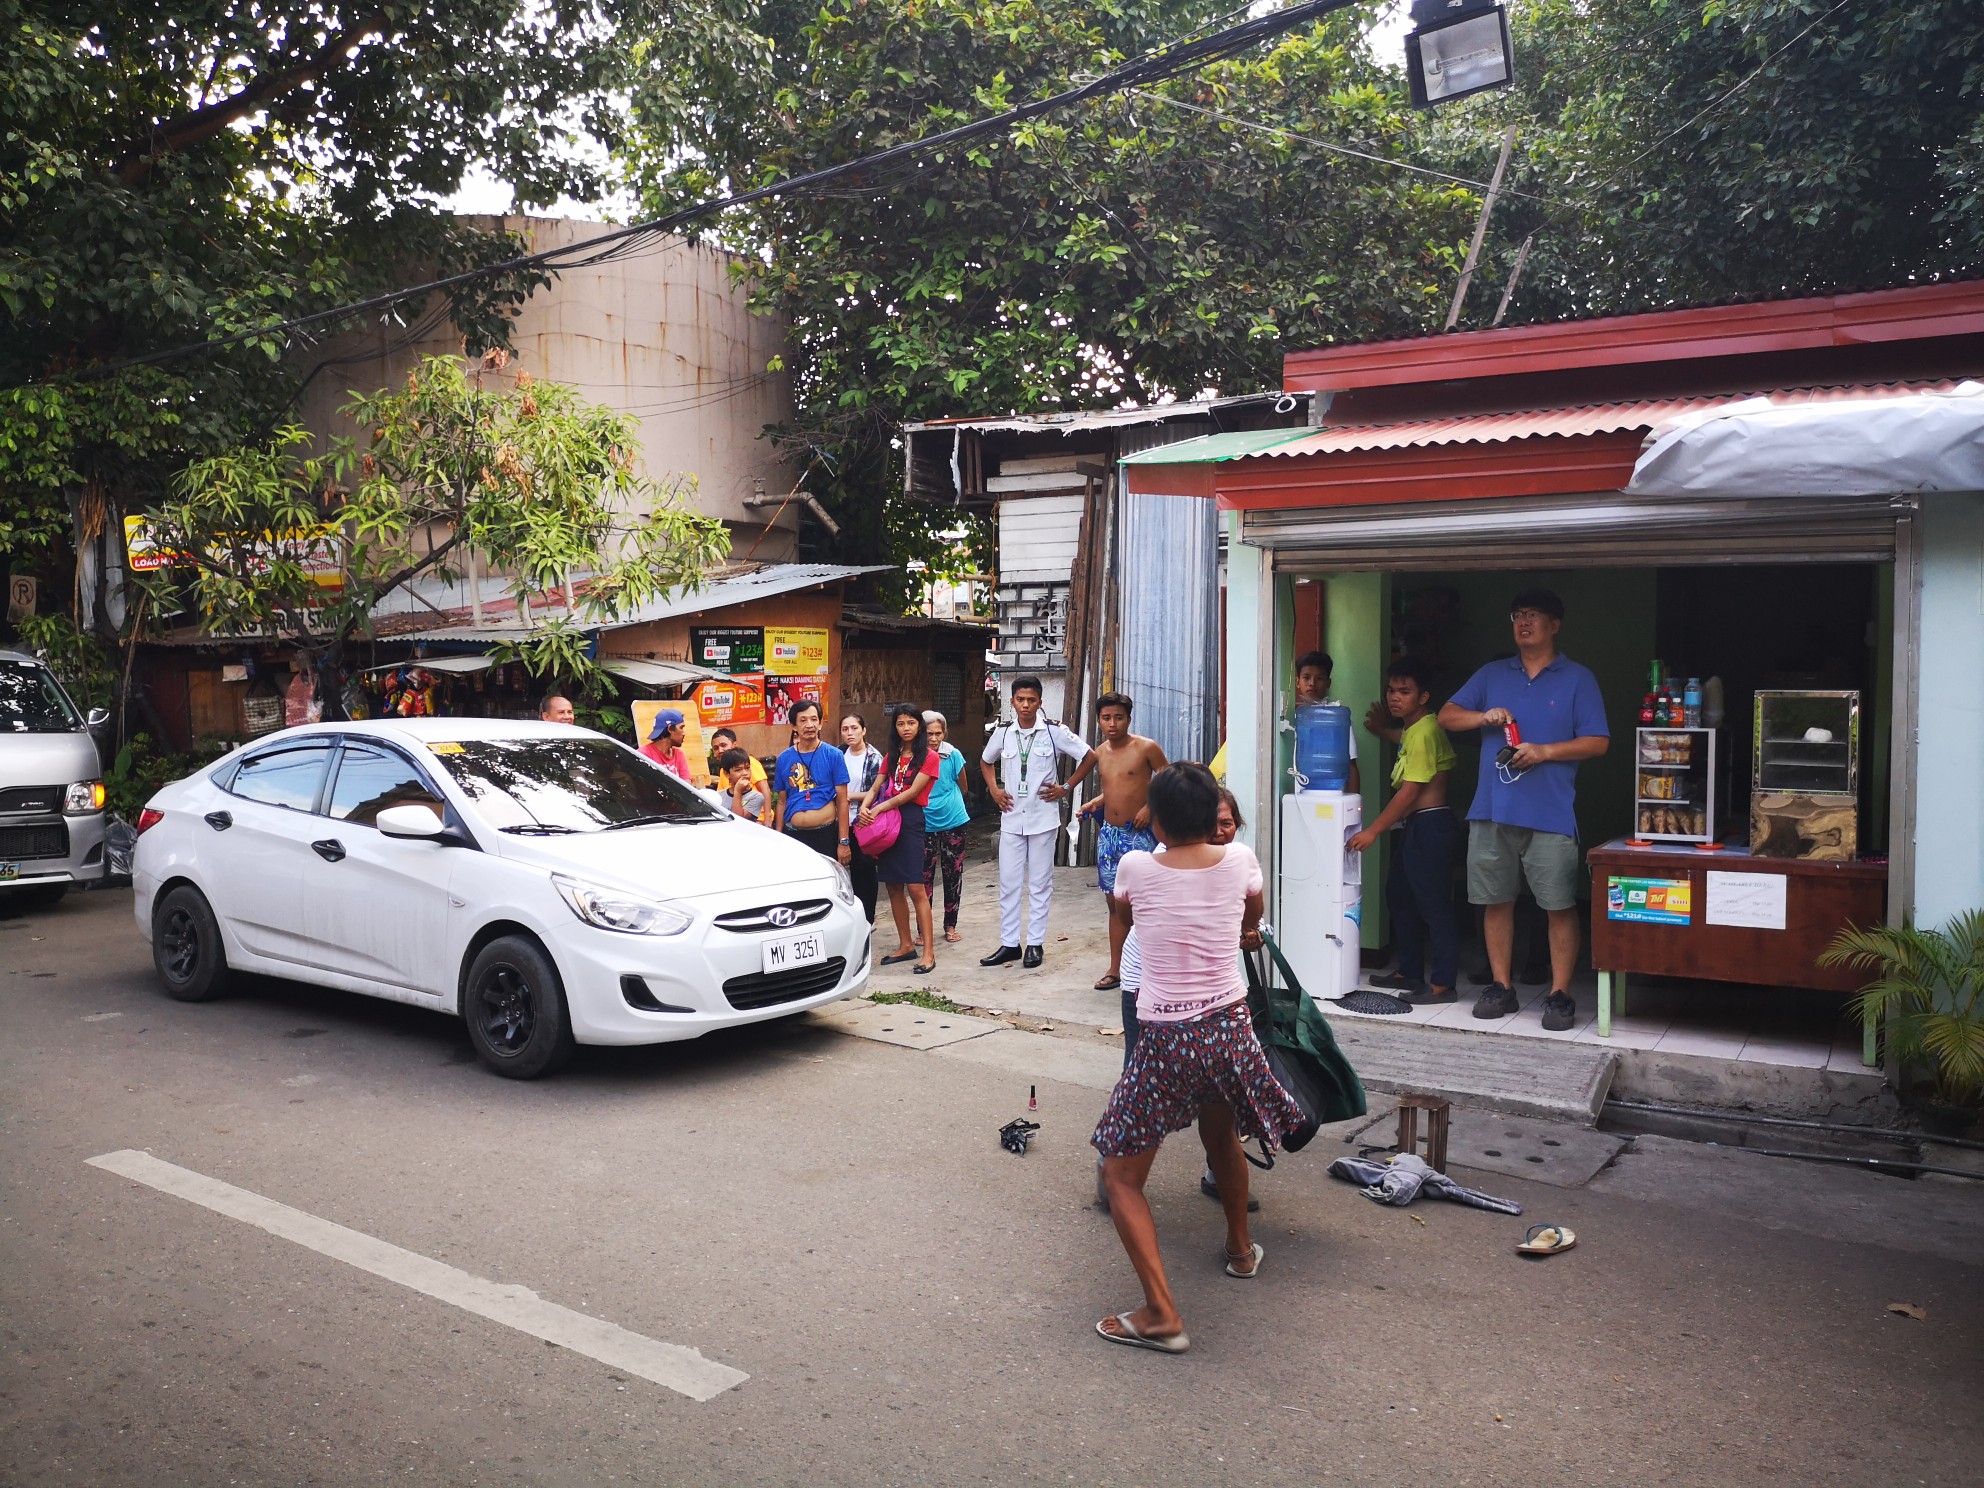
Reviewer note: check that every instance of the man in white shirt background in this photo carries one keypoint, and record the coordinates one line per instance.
(1021, 765)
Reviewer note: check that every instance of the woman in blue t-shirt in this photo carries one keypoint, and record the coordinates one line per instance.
(945, 821)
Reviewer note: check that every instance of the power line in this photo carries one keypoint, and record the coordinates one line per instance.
(1168, 61)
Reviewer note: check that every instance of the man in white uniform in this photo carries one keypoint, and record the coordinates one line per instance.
(1027, 753)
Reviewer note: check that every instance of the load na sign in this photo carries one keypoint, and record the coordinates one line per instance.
(1457, 48)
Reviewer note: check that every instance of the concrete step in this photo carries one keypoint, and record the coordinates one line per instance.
(1555, 1080)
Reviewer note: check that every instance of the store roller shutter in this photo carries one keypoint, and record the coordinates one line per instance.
(1611, 530)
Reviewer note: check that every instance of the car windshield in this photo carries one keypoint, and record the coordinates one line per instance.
(33, 702)
(576, 784)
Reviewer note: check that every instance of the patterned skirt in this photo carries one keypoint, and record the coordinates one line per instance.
(1213, 1059)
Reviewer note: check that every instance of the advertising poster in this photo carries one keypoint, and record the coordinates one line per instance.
(737, 650)
(1650, 901)
(782, 693)
(791, 652)
(735, 700)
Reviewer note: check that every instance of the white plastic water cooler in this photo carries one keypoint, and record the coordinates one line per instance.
(1322, 890)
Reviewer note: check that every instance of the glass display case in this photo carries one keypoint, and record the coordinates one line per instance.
(1676, 794)
(1806, 776)
(1808, 744)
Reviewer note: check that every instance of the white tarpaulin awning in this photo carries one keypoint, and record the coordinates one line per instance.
(1873, 446)
(661, 673)
(439, 664)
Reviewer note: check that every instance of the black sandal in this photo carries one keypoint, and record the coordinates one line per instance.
(898, 960)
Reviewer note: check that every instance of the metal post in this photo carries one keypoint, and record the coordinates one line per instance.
(1481, 228)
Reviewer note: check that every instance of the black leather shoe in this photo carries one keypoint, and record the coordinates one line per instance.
(1001, 956)
(1032, 958)
(1211, 1191)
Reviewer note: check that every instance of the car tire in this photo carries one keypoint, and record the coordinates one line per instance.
(514, 1006)
(187, 950)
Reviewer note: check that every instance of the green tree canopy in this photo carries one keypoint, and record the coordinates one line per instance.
(1131, 249)
(272, 541)
(176, 171)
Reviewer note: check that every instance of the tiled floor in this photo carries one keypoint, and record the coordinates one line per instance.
(1761, 1025)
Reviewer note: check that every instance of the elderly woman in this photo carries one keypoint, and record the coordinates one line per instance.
(945, 820)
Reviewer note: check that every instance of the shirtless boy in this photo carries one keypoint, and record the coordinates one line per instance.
(1126, 762)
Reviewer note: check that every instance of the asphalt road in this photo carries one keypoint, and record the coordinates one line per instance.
(911, 1304)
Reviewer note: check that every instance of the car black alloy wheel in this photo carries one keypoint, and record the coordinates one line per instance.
(187, 949)
(514, 1006)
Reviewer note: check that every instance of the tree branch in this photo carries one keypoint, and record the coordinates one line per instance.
(203, 123)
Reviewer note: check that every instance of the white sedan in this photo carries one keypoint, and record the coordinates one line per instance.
(547, 884)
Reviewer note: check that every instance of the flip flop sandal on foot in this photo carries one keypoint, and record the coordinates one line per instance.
(1177, 1343)
(1259, 1254)
(1391, 981)
(1108, 983)
(1543, 1240)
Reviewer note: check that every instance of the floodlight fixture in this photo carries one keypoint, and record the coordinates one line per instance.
(1457, 48)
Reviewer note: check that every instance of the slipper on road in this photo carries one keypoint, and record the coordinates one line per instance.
(1260, 1254)
(898, 960)
(1108, 983)
(1543, 1240)
(1177, 1343)
(924, 970)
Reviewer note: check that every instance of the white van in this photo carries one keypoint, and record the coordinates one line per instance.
(51, 786)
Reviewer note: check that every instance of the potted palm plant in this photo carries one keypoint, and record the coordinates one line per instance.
(1928, 992)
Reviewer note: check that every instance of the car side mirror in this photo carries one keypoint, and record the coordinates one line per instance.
(410, 821)
(96, 719)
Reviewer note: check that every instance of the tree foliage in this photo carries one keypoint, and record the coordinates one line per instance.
(273, 541)
(1693, 151)
(178, 170)
(1131, 249)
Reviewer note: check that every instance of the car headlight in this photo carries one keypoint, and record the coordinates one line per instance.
(844, 887)
(82, 798)
(611, 910)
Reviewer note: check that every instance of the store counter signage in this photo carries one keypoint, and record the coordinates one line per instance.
(735, 650)
(795, 653)
(735, 700)
(1650, 901)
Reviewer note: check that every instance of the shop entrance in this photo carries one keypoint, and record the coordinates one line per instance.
(1811, 627)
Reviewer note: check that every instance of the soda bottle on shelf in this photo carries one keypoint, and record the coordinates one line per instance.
(1646, 711)
(1692, 703)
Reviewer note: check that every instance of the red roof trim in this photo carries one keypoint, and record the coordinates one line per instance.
(1536, 466)
(1920, 312)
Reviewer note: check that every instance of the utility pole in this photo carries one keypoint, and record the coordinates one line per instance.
(1481, 228)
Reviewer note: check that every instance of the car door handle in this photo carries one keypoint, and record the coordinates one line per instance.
(330, 849)
(220, 821)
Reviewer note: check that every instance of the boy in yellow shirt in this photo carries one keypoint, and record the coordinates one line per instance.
(1420, 887)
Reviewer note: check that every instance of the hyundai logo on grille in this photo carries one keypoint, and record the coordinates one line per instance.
(782, 916)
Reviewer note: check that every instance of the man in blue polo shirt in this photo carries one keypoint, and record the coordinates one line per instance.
(1523, 827)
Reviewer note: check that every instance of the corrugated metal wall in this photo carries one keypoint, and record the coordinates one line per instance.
(1167, 587)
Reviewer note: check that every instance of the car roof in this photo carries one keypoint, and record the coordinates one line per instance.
(10, 655)
(430, 730)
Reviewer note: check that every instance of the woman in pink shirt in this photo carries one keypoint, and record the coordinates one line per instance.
(1195, 907)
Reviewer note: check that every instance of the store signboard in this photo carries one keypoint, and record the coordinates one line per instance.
(735, 700)
(318, 551)
(1649, 901)
(736, 650)
(1749, 901)
(795, 652)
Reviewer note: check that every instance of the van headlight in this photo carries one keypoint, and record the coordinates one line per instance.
(82, 798)
(612, 910)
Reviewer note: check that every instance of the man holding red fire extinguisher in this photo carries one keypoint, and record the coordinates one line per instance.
(1540, 714)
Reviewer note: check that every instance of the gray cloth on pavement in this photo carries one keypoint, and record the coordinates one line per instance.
(1408, 1175)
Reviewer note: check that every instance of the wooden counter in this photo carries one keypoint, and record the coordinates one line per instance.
(1819, 898)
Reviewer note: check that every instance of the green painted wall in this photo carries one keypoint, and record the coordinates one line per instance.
(1357, 635)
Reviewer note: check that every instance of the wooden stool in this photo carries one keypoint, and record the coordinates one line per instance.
(1436, 1109)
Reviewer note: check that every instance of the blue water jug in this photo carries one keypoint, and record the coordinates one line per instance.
(1322, 746)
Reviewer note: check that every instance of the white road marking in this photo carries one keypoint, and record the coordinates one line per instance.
(99, 1017)
(671, 1365)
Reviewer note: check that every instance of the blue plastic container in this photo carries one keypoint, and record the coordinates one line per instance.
(1322, 746)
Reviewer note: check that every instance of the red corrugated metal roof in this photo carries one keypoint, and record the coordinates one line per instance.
(1601, 418)
(1913, 313)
